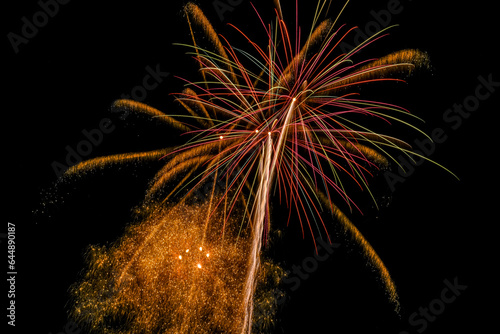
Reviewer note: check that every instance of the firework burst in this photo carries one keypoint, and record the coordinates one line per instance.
(294, 127)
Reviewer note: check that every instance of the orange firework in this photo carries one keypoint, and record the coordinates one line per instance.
(295, 129)
(171, 273)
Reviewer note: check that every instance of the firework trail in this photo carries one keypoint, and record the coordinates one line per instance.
(294, 127)
(266, 175)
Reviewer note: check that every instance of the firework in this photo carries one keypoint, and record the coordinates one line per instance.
(169, 274)
(295, 128)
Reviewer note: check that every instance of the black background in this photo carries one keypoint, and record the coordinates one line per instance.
(434, 228)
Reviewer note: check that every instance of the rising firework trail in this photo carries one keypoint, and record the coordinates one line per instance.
(283, 120)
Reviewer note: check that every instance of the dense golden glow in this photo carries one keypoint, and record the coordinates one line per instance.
(171, 273)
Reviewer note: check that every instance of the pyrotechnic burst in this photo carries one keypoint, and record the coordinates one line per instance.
(171, 273)
(283, 119)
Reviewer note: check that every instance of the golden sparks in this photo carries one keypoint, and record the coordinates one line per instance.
(142, 283)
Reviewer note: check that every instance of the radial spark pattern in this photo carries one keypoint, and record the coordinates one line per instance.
(283, 119)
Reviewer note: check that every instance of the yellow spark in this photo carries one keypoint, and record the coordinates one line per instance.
(199, 265)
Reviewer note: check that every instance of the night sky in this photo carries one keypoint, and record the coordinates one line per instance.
(432, 230)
